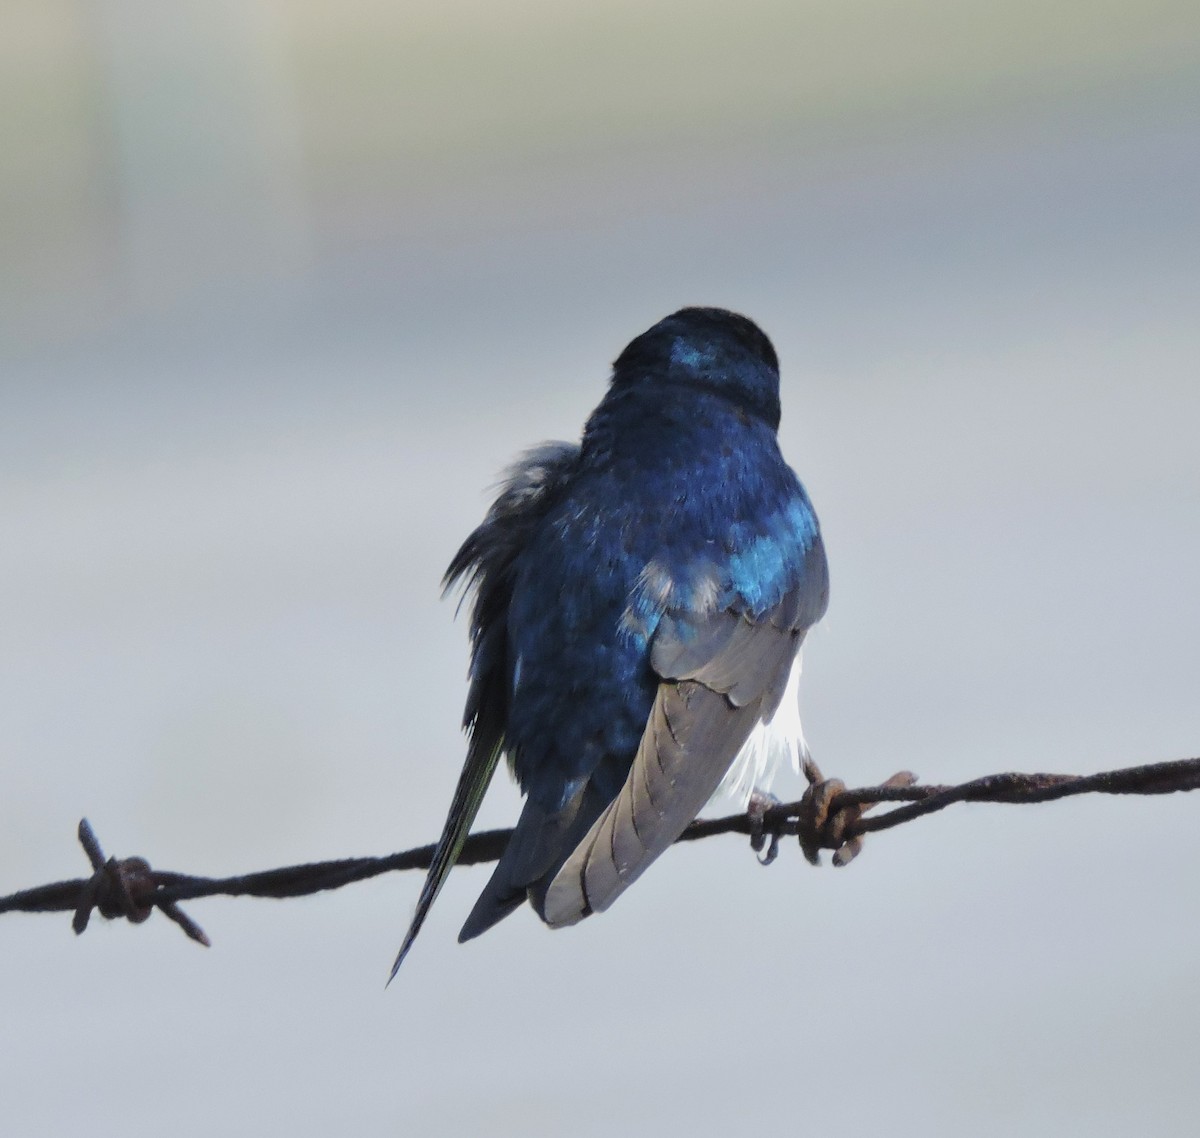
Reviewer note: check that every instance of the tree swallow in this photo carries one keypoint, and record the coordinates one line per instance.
(639, 604)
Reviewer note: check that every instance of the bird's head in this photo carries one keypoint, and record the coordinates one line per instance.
(710, 349)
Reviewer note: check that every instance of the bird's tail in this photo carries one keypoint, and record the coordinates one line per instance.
(541, 842)
(468, 796)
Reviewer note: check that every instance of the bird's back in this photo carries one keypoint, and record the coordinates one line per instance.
(668, 494)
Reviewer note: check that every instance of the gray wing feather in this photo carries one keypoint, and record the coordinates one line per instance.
(728, 651)
(723, 674)
(685, 644)
(692, 736)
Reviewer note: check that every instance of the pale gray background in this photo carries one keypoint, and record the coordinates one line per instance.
(285, 284)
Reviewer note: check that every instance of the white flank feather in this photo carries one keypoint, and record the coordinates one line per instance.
(772, 744)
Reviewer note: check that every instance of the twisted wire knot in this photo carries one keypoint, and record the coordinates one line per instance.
(822, 823)
(125, 887)
(115, 890)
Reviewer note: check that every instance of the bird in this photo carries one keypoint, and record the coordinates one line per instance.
(639, 602)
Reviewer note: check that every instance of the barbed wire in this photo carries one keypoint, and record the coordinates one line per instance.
(829, 817)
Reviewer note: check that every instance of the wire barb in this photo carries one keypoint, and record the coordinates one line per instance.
(828, 817)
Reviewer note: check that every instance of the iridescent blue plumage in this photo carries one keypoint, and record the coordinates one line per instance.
(640, 602)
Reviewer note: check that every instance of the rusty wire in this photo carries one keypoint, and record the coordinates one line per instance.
(829, 816)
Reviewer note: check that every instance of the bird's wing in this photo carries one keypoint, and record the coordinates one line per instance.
(722, 673)
(486, 563)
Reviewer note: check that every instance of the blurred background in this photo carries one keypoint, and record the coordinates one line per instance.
(283, 286)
